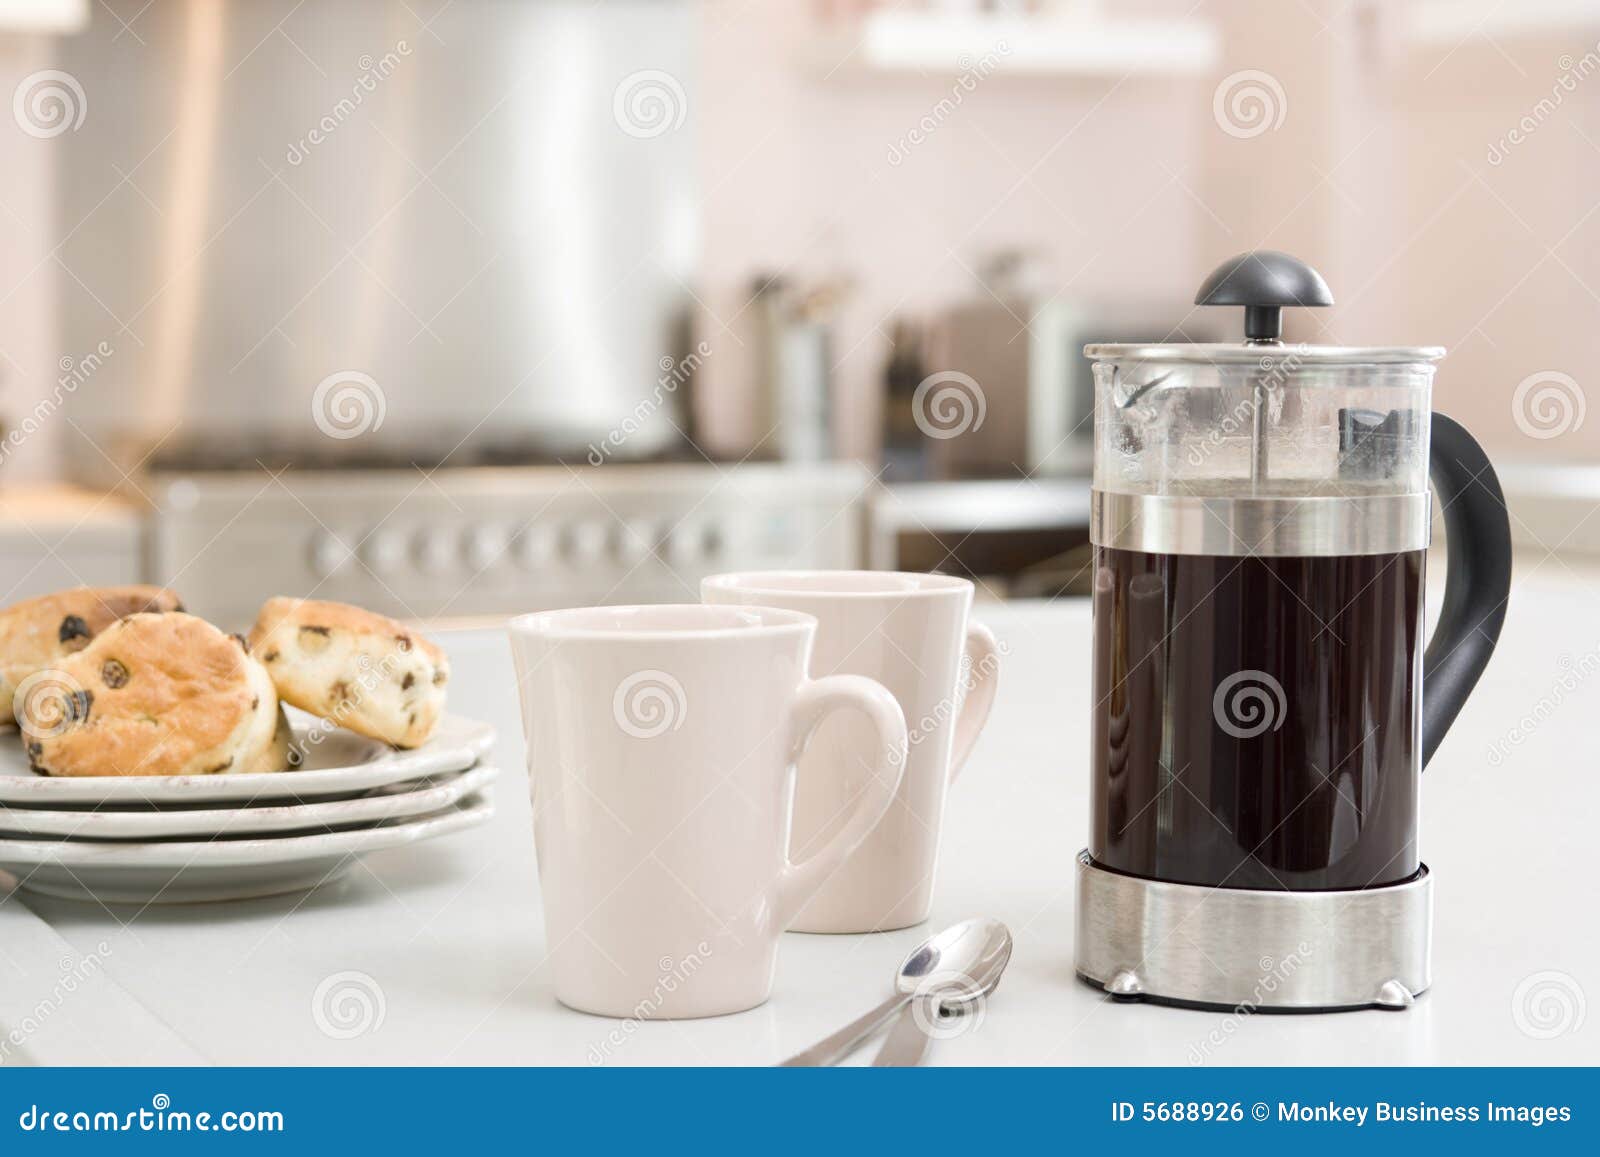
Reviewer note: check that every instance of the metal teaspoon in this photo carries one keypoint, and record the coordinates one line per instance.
(974, 949)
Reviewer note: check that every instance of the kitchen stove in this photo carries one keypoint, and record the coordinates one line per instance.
(485, 540)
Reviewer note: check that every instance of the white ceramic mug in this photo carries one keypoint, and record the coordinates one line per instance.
(908, 632)
(662, 744)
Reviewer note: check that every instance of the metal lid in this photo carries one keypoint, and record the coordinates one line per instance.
(1263, 355)
(1264, 282)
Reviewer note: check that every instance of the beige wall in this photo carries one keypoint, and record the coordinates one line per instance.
(1434, 244)
(1504, 260)
(797, 178)
(1378, 174)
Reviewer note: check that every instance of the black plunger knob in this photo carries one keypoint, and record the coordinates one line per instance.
(1264, 281)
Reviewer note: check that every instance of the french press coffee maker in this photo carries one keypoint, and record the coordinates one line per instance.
(1263, 703)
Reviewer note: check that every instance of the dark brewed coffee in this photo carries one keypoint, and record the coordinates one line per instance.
(1257, 720)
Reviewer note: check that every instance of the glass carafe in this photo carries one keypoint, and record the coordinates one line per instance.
(1261, 523)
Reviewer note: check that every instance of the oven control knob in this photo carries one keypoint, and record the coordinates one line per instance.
(484, 546)
(327, 554)
(710, 540)
(435, 553)
(635, 542)
(533, 548)
(585, 542)
(695, 542)
(683, 544)
(383, 551)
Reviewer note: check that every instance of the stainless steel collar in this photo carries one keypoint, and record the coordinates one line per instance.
(1245, 949)
(1277, 527)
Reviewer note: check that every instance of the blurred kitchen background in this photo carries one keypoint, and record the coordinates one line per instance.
(460, 307)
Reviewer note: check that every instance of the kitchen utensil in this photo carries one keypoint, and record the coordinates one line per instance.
(1017, 333)
(956, 967)
(905, 446)
(1263, 705)
(908, 1041)
(789, 336)
(909, 632)
(146, 821)
(661, 747)
(337, 763)
(184, 871)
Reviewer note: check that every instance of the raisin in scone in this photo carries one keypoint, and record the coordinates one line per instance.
(39, 633)
(353, 668)
(155, 694)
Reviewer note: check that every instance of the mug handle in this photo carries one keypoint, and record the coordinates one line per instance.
(983, 653)
(818, 698)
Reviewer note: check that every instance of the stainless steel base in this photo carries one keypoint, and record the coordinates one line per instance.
(1234, 947)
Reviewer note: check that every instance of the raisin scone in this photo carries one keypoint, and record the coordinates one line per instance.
(353, 668)
(39, 633)
(155, 694)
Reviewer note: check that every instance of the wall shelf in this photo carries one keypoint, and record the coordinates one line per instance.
(43, 15)
(1048, 45)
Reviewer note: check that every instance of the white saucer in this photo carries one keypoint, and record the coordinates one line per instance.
(146, 821)
(340, 763)
(185, 871)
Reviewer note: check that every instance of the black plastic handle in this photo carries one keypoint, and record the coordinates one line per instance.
(1477, 581)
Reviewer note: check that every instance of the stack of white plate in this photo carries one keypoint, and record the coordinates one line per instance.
(176, 839)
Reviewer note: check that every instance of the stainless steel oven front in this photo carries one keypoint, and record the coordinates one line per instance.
(492, 541)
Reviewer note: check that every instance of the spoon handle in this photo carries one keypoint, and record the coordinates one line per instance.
(834, 1048)
(907, 1043)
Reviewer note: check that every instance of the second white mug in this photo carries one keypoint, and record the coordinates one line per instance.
(909, 633)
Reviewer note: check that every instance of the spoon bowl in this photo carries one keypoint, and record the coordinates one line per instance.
(962, 964)
(952, 970)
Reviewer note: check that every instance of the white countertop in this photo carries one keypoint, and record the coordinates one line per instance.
(451, 933)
